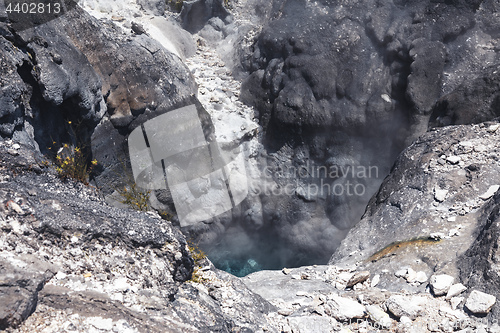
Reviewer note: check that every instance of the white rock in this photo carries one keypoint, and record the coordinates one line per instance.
(455, 290)
(379, 316)
(16, 146)
(386, 98)
(411, 275)
(479, 302)
(343, 277)
(437, 235)
(101, 323)
(121, 284)
(491, 191)
(375, 280)
(344, 308)
(340, 286)
(401, 272)
(60, 275)
(453, 159)
(481, 329)
(448, 312)
(480, 148)
(493, 128)
(15, 225)
(15, 207)
(466, 144)
(117, 297)
(122, 326)
(455, 301)
(439, 194)
(405, 321)
(400, 305)
(441, 284)
(421, 277)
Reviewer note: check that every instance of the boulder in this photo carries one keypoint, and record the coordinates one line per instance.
(72, 76)
(441, 284)
(23, 276)
(345, 309)
(401, 306)
(379, 316)
(196, 13)
(480, 303)
(455, 290)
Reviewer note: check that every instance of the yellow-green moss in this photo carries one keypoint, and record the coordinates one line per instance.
(396, 246)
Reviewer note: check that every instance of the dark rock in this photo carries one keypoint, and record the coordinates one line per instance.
(93, 304)
(476, 100)
(66, 78)
(425, 80)
(22, 277)
(15, 93)
(111, 253)
(477, 264)
(138, 29)
(153, 7)
(196, 13)
(353, 84)
(91, 219)
(57, 92)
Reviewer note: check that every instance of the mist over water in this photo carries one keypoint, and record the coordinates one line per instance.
(240, 255)
(295, 215)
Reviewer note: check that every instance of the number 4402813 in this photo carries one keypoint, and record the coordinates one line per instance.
(34, 8)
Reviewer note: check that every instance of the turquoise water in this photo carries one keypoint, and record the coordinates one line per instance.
(239, 268)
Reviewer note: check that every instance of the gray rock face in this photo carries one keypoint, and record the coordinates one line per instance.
(196, 13)
(405, 226)
(14, 89)
(352, 83)
(45, 92)
(22, 278)
(154, 7)
(474, 101)
(66, 254)
(478, 265)
(68, 76)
